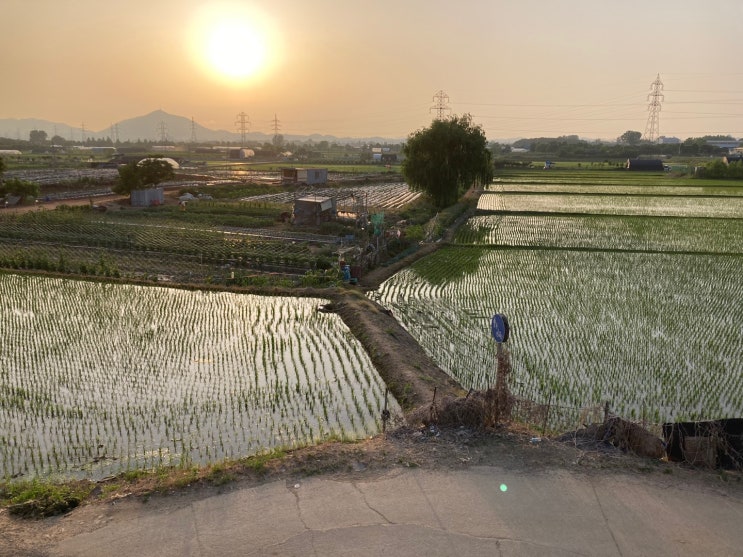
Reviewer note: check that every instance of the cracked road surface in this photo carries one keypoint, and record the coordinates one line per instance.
(482, 510)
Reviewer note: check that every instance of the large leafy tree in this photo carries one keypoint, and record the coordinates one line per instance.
(144, 174)
(630, 137)
(447, 158)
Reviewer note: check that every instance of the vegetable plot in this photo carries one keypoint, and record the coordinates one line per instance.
(99, 378)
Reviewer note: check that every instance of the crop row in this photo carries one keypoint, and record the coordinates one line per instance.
(659, 332)
(385, 196)
(732, 207)
(99, 378)
(605, 232)
(613, 188)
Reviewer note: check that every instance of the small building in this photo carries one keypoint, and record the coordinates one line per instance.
(314, 209)
(147, 198)
(309, 176)
(240, 154)
(645, 165)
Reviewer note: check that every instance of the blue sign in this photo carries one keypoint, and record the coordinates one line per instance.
(499, 327)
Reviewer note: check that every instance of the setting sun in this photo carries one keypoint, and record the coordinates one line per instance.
(231, 43)
(235, 50)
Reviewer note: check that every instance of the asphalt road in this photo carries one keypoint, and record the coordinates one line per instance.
(412, 512)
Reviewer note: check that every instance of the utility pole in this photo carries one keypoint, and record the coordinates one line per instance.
(441, 105)
(242, 123)
(652, 129)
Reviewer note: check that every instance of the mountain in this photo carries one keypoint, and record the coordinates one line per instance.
(161, 127)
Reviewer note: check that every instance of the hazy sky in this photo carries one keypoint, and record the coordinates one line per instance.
(521, 68)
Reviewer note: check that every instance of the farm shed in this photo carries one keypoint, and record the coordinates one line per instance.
(241, 153)
(309, 176)
(314, 210)
(147, 197)
(647, 165)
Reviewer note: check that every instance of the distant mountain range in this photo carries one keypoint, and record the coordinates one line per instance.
(158, 125)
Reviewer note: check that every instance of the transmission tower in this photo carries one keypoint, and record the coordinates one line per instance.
(115, 133)
(162, 129)
(242, 123)
(652, 129)
(276, 127)
(441, 105)
(82, 133)
(193, 131)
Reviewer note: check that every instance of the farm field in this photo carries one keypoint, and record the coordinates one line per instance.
(663, 205)
(391, 195)
(614, 189)
(604, 232)
(641, 311)
(96, 378)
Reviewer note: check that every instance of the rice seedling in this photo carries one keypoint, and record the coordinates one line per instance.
(99, 378)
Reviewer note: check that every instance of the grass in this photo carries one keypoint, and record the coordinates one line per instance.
(258, 463)
(38, 499)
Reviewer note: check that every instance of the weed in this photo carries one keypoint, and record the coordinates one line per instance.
(38, 499)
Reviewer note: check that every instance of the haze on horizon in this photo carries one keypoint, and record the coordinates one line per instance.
(522, 69)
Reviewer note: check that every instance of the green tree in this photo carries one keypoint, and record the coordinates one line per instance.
(630, 137)
(147, 173)
(37, 137)
(447, 158)
(20, 188)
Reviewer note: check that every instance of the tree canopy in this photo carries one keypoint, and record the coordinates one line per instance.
(20, 188)
(144, 174)
(445, 159)
(630, 137)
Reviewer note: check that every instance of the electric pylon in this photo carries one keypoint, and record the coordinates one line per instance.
(193, 131)
(162, 129)
(276, 127)
(242, 123)
(441, 105)
(652, 129)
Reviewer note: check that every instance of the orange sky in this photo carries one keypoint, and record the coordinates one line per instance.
(523, 68)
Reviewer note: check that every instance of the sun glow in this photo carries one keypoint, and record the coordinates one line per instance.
(233, 43)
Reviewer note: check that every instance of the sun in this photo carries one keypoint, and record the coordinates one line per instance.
(232, 43)
(235, 50)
